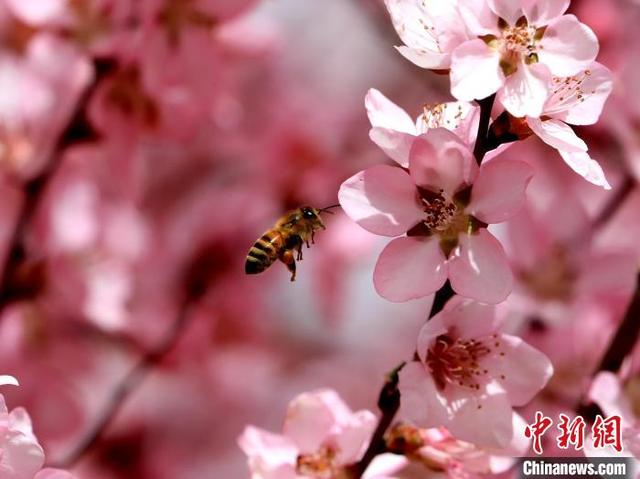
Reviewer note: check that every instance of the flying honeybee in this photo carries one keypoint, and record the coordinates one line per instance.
(286, 237)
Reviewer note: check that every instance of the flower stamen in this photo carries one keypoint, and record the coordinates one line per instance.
(456, 361)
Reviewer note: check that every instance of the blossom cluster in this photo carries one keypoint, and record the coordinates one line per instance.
(516, 69)
(22, 456)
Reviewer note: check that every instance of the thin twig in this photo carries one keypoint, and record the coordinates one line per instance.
(128, 385)
(614, 202)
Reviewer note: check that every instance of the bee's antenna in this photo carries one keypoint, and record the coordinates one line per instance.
(326, 210)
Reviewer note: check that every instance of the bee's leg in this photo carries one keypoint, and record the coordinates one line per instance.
(287, 258)
(313, 237)
(295, 243)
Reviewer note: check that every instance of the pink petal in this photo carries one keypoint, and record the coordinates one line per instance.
(354, 436)
(478, 17)
(563, 220)
(384, 466)
(469, 319)
(479, 268)
(421, 402)
(50, 473)
(523, 370)
(506, 9)
(384, 113)
(606, 275)
(22, 456)
(439, 159)
(381, 199)
(475, 71)
(484, 419)
(409, 268)
(589, 169)
(432, 60)
(540, 12)
(526, 240)
(606, 391)
(19, 420)
(310, 419)
(37, 12)
(415, 388)
(429, 332)
(567, 46)
(525, 91)
(594, 89)
(5, 380)
(430, 30)
(499, 191)
(272, 450)
(395, 144)
(557, 134)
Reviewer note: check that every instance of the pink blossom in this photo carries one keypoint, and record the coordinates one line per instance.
(608, 393)
(430, 31)
(20, 454)
(439, 450)
(444, 220)
(519, 46)
(321, 435)
(576, 100)
(393, 130)
(38, 91)
(561, 275)
(470, 375)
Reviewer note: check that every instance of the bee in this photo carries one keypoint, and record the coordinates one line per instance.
(286, 238)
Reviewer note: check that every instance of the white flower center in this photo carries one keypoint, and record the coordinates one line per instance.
(517, 44)
(441, 115)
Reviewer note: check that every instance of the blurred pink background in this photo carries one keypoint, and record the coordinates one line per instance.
(144, 147)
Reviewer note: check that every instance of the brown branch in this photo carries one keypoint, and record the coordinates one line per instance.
(625, 339)
(389, 399)
(388, 403)
(441, 297)
(77, 130)
(480, 149)
(620, 347)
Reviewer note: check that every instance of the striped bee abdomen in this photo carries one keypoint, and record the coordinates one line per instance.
(264, 252)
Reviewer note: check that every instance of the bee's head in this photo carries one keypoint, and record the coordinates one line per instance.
(312, 215)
